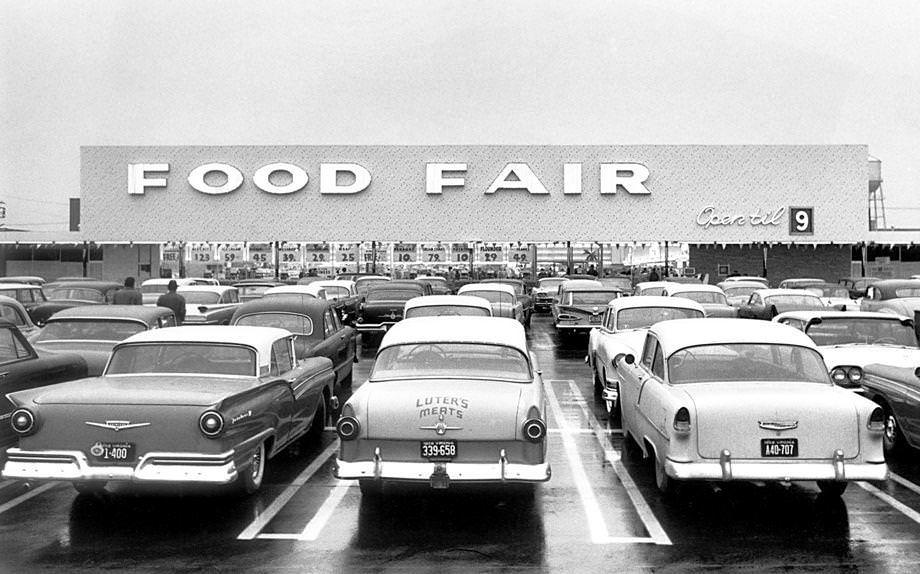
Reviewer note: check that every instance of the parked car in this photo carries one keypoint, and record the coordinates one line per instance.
(251, 289)
(66, 294)
(834, 295)
(209, 305)
(15, 312)
(501, 296)
(311, 291)
(447, 305)
(27, 279)
(654, 288)
(206, 405)
(857, 285)
(732, 400)
(545, 291)
(151, 289)
(739, 292)
(92, 331)
(622, 330)
(581, 307)
(450, 400)
(799, 282)
(896, 389)
(318, 330)
(24, 368)
(343, 296)
(522, 294)
(383, 305)
(849, 341)
(30, 296)
(713, 299)
(438, 284)
(748, 278)
(898, 296)
(768, 303)
(365, 282)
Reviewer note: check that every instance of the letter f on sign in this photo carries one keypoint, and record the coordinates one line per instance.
(138, 182)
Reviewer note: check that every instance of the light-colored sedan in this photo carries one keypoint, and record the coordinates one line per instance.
(447, 305)
(728, 399)
(850, 340)
(209, 304)
(622, 330)
(502, 297)
(713, 299)
(450, 400)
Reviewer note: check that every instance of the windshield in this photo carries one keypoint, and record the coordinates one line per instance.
(828, 291)
(297, 324)
(709, 297)
(645, 317)
(392, 295)
(446, 310)
(200, 297)
(735, 362)
(153, 288)
(863, 331)
(550, 283)
(253, 290)
(89, 330)
(492, 296)
(183, 357)
(907, 292)
(744, 292)
(77, 294)
(451, 360)
(794, 300)
(362, 285)
(590, 297)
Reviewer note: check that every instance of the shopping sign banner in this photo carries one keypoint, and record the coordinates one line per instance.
(520, 255)
(290, 254)
(232, 253)
(434, 253)
(490, 254)
(201, 253)
(383, 254)
(316, 253)
(261, 253)
(460, 253)
(170, 255)
(346, 253)
(405, 253)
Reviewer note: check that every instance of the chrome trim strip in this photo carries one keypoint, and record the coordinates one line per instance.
(778, 425)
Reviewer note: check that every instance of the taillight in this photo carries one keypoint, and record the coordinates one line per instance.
(348, 428)
(877, 420)
(211, 423)
(534, 430)
(22, 421)
(682, 420)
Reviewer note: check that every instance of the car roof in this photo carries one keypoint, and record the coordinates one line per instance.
(895, 283)
(260, 338)
(300, 305)
(809, 315)
(366, 277)
(735, 284)
(693, 288)
(161, 281)
(13, 302)
(144, 313)
(647, 284)
(488, 330)
(87, 284)
(346, 283)
(681, 333)
(205, 289)
(18, 286)
(573, 284)
(503, 287)
(457, 300)
(310, 289)
(654, 301)
(793, 292)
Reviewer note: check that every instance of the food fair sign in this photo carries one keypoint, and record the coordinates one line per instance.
(502, 194)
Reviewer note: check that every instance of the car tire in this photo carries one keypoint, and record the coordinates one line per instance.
(892, 438)
(90, 487)
(598, 387)
(669, 487)
(315, 432)
(832, 488)
(250, 480)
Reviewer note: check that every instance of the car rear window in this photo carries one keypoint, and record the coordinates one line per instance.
(907, 292)
(297, 324)
(77, 294)
(739, 362)
(392, 294)
(803, 299)
(89, 330)
(709, 297)
(491, 296)
(182, 357)
(645, 317)
(447, 310)
(451, 361)
(591, 297)
(862, 331)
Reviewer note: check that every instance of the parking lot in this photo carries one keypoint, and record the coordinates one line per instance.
(600, 510)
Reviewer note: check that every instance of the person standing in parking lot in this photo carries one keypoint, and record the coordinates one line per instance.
(128, 295)
(173, 300)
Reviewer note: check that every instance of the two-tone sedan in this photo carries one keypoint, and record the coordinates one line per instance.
(544, 292)
(622, 330)
(206, 405)
(898, 296)
(447, 305)
(850, 340)
(581, 308)
(768, 303)
(502, 297)
(724, 400)
(711, 297)
(344, 298)
(450, 400)
(209, 304)
(383, 306)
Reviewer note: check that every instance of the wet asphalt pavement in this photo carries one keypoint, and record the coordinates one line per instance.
(600, 512)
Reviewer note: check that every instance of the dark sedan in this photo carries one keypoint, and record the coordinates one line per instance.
(67, 294)
(897, 391)
(92, 331)
(384, 303)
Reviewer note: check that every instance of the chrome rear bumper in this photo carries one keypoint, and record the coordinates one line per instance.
(786, 470)
(152, 467)
(499, 471)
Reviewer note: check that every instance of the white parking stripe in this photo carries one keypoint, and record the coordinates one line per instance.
(24, 497)
(275, 507)
(904, 482)
(655, 530)
(316, 525)
(897, 505)
(586, 431)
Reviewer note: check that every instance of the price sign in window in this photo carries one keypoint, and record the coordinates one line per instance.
(801, 220)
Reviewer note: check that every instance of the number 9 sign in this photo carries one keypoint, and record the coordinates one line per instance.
(801, 220)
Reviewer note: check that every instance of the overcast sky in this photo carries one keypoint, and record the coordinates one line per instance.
(434, 72)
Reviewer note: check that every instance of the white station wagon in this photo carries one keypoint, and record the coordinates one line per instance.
(450, 400)
(731, 399)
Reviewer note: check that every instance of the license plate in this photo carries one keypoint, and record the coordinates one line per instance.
(779, 447)
(113, 453)
(439, 449)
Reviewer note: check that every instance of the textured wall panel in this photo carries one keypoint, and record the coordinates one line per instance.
(735, 180)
